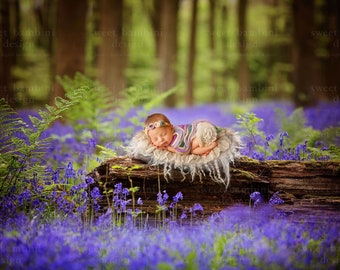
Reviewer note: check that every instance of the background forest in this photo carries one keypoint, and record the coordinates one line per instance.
(208, 50)
(268, 69)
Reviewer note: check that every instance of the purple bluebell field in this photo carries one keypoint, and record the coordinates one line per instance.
(54, 222)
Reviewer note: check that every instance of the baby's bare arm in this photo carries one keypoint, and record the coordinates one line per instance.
(203, 150)
(171, 149)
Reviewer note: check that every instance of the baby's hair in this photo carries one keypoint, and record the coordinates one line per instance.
(156, 117)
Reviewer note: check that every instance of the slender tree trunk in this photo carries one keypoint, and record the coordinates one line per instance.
(168, 48)
(69, 55)
(154, 14)
(224, 45)
(43, 11)
(303, 53)
(112, 58)
(191, 55)
(213, 80)
(243, 74)
(10, 40)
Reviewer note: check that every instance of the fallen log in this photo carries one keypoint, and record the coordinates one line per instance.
(305, 186)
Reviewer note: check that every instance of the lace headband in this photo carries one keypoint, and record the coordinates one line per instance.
(156, 124)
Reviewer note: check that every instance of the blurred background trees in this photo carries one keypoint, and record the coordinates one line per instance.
(210, 50)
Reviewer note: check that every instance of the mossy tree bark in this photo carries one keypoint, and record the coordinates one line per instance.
(303, 185)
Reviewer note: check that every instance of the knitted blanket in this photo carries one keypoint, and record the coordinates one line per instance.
(215, 164)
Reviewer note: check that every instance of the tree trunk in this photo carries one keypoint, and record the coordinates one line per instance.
(243, 74)
(168, 48)
(44, 12)
(224, 45)
(154, 14)
(305, 186)
(303, 53)
(212, 35)
(112, 58)
(11, 44)
(191, 56)
(69, 55)
(332, 88)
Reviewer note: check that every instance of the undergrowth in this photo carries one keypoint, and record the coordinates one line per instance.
(295, 141)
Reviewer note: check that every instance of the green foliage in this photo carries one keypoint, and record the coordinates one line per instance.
(319, 142)
(23, 147)
(101, 113)
(298, 139)
(142, 97)
(96, 104)
(248, 123)
(295, 126)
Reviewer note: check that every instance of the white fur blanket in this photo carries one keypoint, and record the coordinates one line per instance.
(215, 164)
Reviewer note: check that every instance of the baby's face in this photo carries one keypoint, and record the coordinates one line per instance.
(161, 137)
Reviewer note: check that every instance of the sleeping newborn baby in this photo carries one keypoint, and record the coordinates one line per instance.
(198, 138)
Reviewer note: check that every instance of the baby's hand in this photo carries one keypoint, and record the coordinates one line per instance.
(213, 145)
(210, 147)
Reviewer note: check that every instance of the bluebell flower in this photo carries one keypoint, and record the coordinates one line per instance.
(139, 201)
(282, 135)
(177, 197)
(183, 215)
(70, 173)
(95, 193)
(124, 203)
(24, 196)
(275, 199)
(165, 196)
(197, 207)
(91, 143)
(125, 192)
(161, 199)
(257, 198)
(269, 137)
(118, 188)
(89, 180)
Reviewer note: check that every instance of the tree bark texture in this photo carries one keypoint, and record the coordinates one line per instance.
(70, 43)
(332, 85)
(191, 56)
(11, 45)
(243, 73)
(305, 186)
(154, 14)
(168, 48)
(212, 47)
(303, 53)
(112, 58)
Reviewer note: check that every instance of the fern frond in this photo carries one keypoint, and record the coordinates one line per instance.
(23, 147)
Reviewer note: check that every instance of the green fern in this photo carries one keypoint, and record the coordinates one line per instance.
(99, 111)
(295, 126)
(248, 123)
(23, 147)
(96, 105)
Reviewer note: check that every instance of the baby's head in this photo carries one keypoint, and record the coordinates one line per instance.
(159, 130)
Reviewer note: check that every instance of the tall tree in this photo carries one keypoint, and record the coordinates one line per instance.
(191, 56)
(69, 54)
(333, 47)
(44, 12)
(243, 73)
(224, 45)
(168, 48)
(154, 14)
(212, 15)
(303, 52)
(10, 40)
(112, 55)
